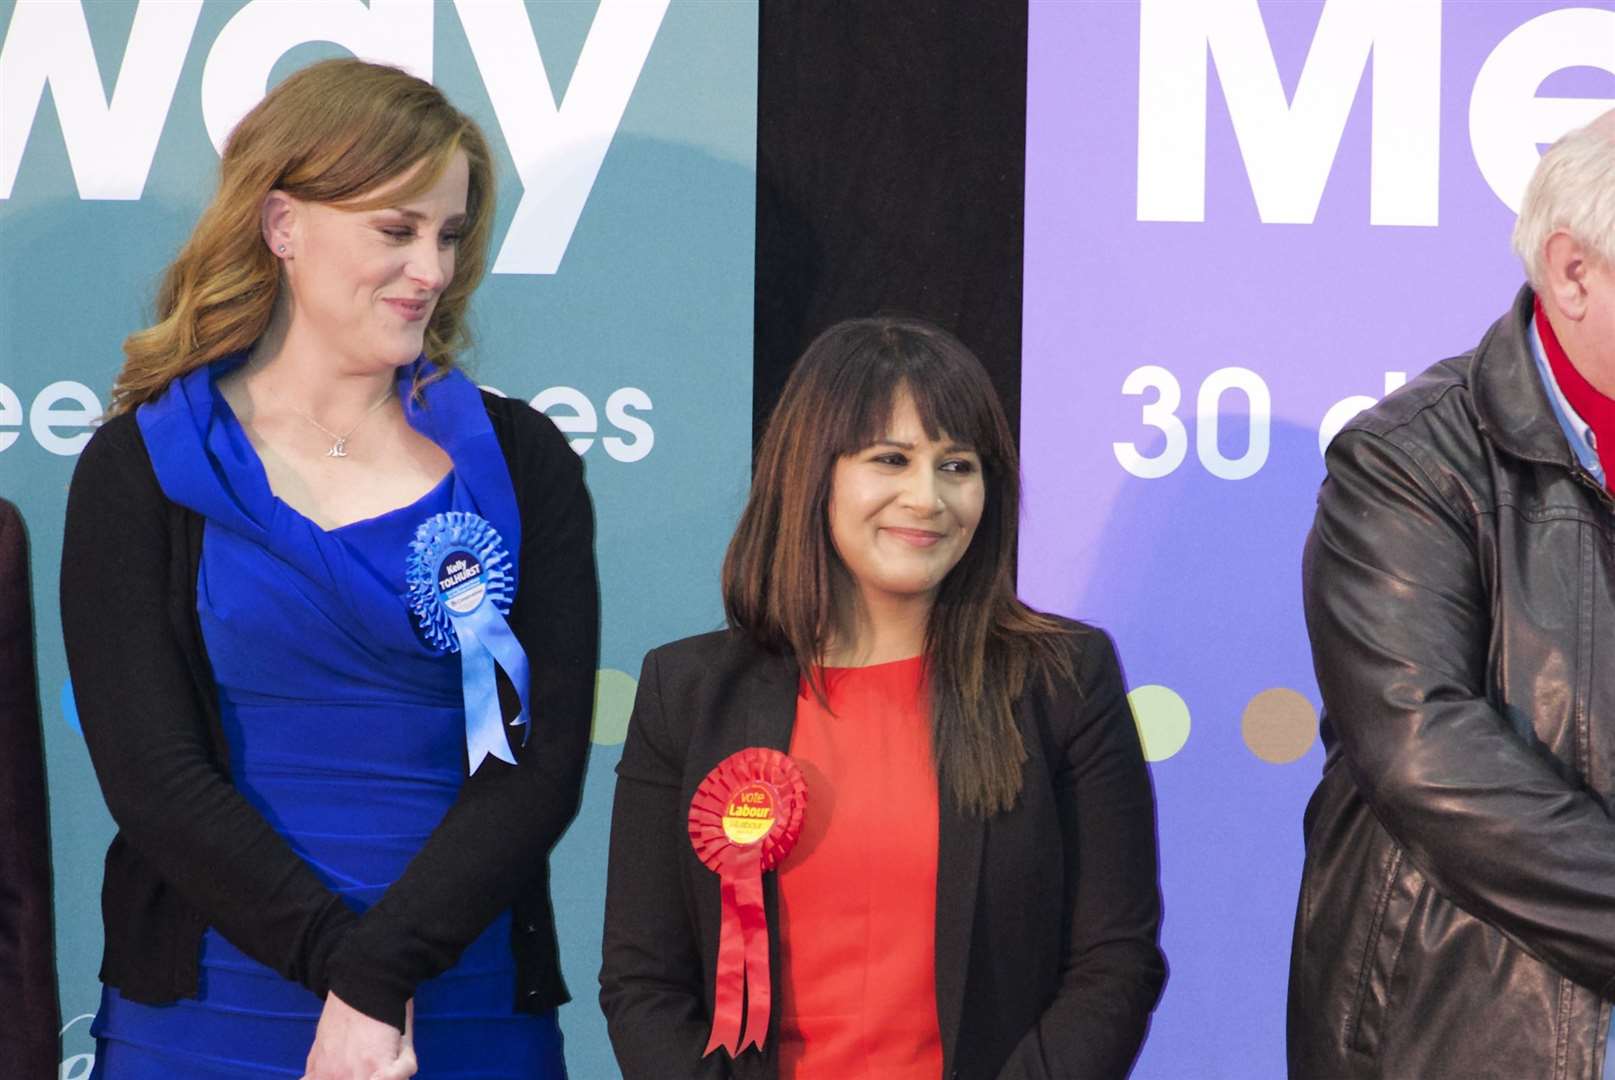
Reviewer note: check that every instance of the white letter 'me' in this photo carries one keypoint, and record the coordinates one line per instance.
(109, 146)
(1289, 147)
(1506, 118)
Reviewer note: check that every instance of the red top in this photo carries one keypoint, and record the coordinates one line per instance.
(1595, 410)
(858, 892)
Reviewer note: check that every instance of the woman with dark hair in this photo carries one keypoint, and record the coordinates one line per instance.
(309, 573)
(949, 783)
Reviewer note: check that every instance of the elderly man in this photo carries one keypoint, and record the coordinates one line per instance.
(1457, 910)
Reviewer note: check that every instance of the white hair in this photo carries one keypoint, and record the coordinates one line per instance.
(1572, 189)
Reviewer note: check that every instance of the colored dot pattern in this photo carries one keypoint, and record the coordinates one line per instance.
(1162, 718)
(1279, 725)
(613, 702)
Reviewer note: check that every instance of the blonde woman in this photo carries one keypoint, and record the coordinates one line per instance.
(331, 616)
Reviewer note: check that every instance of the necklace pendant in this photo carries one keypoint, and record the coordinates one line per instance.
(338, 448)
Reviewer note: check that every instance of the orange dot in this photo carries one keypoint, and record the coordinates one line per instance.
(1279, 725)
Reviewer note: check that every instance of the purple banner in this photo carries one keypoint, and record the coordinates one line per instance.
(1244, 222)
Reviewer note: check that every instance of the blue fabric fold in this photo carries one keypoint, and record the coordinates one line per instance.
(204, 461)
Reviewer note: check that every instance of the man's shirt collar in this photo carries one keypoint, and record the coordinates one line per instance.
(1577, 431)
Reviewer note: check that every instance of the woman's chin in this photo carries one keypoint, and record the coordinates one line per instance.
(396, 354)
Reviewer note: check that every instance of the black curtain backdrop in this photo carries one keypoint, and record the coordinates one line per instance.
(891, 162)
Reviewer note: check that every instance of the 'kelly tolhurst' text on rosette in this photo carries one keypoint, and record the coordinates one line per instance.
(744, 819)
(460, 588)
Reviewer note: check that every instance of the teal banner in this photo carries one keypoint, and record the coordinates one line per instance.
(619, 303)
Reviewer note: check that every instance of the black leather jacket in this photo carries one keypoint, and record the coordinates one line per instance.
(1457, 910)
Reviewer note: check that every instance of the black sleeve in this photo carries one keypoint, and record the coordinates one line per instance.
(1400, 623)
(651, 987)
(1113, 970)
(146, 727)
(496, 838)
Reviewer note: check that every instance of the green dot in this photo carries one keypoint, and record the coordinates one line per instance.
(613, 700)
(1162, 719)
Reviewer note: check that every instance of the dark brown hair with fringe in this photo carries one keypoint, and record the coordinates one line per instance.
(982, 644)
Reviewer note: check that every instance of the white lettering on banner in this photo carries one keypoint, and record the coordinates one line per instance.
(46, 416)
(1161, 414)
(1506, 118)
(77, 1066)
(558, 148)
(1208, 413)
(582, 418)
(617, 406)
(236, 76)
(1341, 412)
(1289, 148)
(10, 415)
(110, 146)
(61, 418)
(63, 415)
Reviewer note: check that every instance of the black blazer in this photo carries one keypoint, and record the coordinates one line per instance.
(1047, 916)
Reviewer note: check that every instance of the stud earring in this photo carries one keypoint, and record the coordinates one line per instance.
(281, 249)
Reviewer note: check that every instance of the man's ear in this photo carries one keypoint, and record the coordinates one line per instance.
(1564, 270)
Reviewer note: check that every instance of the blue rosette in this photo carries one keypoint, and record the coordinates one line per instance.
(461, 585)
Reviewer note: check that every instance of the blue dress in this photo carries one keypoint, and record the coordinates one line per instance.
(346, 731)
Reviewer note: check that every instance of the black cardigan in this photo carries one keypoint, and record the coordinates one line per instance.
(192, 852)
(1047, 916)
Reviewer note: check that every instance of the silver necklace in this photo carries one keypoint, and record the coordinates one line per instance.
(339, 447)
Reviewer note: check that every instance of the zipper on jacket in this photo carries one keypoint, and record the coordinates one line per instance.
(1588, 479)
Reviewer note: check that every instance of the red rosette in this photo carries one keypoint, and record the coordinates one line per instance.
(744, 819)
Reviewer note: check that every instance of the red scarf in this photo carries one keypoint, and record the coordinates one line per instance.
(1596, 410)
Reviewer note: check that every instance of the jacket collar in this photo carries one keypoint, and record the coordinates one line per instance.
(959, 849)
(1510, 401)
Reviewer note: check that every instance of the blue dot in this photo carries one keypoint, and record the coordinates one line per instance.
(70, 709)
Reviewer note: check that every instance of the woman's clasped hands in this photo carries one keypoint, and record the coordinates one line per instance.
(348, 1045)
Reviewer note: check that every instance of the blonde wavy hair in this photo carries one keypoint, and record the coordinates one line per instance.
(329, 133)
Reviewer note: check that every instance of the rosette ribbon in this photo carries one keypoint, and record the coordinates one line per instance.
(745, 817)
(461, 586)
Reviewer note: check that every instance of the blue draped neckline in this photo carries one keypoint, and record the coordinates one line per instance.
(204, 462)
